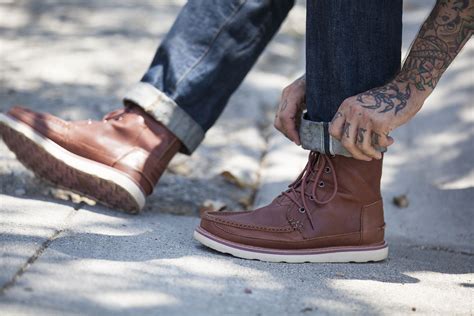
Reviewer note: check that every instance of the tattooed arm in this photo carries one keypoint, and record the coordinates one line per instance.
(371, 115)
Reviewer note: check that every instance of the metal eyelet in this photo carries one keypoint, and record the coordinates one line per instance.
(301, 210)
(311, 198)
(327, 170)
(321, 184)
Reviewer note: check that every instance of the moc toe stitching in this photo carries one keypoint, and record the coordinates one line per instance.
(237, 224)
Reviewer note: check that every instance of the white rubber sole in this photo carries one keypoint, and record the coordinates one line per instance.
(326, 255)
(74, 162)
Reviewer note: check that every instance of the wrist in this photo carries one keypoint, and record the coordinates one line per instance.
(416, 96)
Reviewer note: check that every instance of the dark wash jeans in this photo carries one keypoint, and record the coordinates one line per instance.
(352, 45)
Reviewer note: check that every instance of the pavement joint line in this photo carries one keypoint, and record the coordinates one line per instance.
(31, 260)
(442, 249)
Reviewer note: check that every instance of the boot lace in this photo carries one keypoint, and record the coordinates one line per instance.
(317, 164)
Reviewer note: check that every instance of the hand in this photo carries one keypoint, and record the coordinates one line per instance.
(364, 121)
(292, 104)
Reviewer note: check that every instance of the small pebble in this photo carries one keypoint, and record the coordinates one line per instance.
(401, 201)
(247, 291)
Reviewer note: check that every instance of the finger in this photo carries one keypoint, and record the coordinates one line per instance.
(336, 126)
(381, 139)
(289, 114)
(296, 118)
(364, 142)
(349, 138)
(289, 126)
(277, 123)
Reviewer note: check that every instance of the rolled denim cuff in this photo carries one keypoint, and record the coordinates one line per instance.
(167, 112)
(315, 136)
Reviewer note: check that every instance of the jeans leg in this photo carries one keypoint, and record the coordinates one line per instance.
(351, 46)
(203, 59)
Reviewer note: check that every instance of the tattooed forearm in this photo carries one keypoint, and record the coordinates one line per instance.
(444, 33)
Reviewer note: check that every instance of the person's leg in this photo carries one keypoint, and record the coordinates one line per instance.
(333, 212)
(202, 60)
(118, 160)
(352, 46)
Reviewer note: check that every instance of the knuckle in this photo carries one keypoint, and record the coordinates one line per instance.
(354, 112)
(348, 144)
(366, 147)
(347, 103)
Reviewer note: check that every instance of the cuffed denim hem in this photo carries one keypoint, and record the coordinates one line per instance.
(315, 136)
(167, 112)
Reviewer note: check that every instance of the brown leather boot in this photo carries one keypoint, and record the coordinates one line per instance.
(116, 161)
(332, 212)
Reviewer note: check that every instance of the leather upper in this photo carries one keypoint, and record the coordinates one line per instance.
(127, 139)
(342, 207)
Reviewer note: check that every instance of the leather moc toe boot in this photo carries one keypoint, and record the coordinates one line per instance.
(332, 212)
(116, 161)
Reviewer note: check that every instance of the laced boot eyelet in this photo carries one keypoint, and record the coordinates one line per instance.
(327, 170)
(321, 184)
(311, 198)
(302, 210)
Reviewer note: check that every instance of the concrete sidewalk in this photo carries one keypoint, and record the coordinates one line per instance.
(61, 257)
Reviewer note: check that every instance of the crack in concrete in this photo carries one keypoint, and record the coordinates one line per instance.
(443, 249)
(31, 260)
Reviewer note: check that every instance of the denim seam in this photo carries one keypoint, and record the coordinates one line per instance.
(165, 110)
(211, 44)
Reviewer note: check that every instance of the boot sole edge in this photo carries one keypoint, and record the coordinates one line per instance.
(93, 179)
(321, 255)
